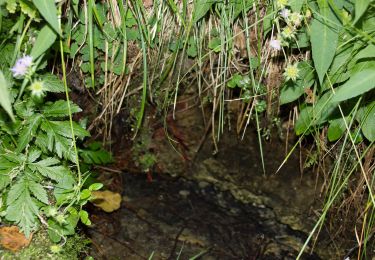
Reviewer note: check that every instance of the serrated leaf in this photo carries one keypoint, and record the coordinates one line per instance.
(46, 37)
(358, 84)
(27, 133)
(64, 189)
(324, 38)
(38, 191)
(49, 169)
(48, 10)
(22, 209)
(33, 155)
(95, 157)
(60, 109)
(52, 83)
(5, 100)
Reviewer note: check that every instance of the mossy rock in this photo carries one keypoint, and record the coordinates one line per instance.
(41, 247)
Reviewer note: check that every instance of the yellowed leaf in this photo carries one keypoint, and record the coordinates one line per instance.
(12, 239)
(106, 200)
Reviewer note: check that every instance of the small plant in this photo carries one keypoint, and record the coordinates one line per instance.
(41, 180)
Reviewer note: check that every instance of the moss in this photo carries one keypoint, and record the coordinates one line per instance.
(41, 247)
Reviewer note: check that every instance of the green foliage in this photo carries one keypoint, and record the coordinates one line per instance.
(40, 178)
(343, 58)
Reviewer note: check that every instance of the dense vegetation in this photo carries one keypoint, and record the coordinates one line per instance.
(313, 60)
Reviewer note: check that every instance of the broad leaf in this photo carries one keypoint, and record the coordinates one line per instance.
(336, 129)
(368, 125)
(201, 7)
(44, 41)
(360, 8)
(48, 10)
(315, 115)
(358, 84)
(291, 91)
(5, 97)
(324, 38)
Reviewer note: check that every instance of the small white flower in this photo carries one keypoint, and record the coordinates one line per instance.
(284, 13)
(22, 66)
(275, 44)
(37, 88)
(291, 72)
(295, 19)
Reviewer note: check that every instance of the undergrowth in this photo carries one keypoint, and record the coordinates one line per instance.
(313, 59)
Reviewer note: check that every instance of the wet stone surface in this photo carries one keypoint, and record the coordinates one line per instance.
(179, 218)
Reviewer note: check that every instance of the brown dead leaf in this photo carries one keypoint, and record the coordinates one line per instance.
(148, 3)
(12, 239)
(106, 200)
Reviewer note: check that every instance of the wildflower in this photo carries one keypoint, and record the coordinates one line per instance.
(295, 19)
(37, 88)
(22, 66)
(275, 44)
(284, 13)
(291, 72)
(288, 32)
(282, 3)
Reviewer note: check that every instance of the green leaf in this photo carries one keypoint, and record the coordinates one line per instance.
(5, 100)
(201, 7)
(234, 80)
(291, 90)
(324, 38)
(360, 8)
(239, 5)
(38, 191)
(48, 10)
(60, 109)
(28, 133)
(59, 138)
(52, 83)
(95, 186)
(358, 84)
(336, 129)
(22, 209)
(85, 194)
(368, 52)
(368, 126)
(215, 44)
(315, 115)
(64, 190)
(85, 217)
(44, 41)
(296, 5)
(49, 168)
